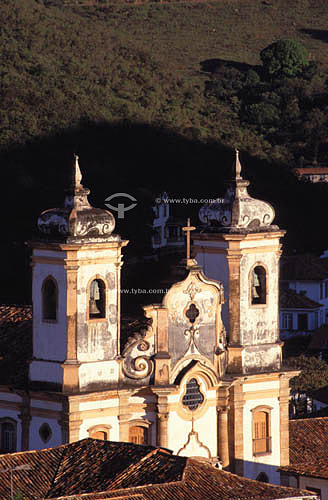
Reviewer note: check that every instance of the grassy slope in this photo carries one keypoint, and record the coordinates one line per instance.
(61, 66)
(182, 35)
(64, 65)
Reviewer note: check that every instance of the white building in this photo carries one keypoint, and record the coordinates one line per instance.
(181, 383)
(167, 229)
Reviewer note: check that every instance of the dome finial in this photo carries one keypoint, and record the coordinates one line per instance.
(77, 176)
(237, 166)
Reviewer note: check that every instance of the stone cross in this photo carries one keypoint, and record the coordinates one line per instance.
(187, 229)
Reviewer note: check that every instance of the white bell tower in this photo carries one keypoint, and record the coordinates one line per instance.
(76, 295)
(242, 249)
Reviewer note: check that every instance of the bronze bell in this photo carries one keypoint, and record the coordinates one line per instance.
(93, 308)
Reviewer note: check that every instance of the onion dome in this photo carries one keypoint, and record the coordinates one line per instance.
(77, 220)
(238, 212)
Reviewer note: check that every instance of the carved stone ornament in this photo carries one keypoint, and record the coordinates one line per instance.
(192, 290)
(77, 219)
(238, 210)
(136, 366)
(193, 446)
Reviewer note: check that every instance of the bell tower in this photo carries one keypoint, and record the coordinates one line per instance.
(239, 245)
(76, 262)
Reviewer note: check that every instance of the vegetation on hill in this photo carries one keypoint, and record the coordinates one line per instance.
(155, 97)
(189, 68)
(314, 373)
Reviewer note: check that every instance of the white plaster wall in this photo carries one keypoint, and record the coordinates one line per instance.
(266, 463)
(96, 405)
(47, 405)
(114, 433)
(98, 372)
(57, 254)
(215, 266)
(261, 321)
(36, 443)
(49, 338)
(206, 426)
(263, 386)
(7, 413)
(93, 350)
(7, 396)
(322, 484)
(46, 371)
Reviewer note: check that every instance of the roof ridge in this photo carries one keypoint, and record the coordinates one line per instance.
(134, 466)
(64, 452)
(308, 419)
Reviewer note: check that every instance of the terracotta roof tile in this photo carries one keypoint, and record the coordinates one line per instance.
(92, 469)
(15, 344)
(289, 299)
(308, 447)
(312, 170)
(202, 482)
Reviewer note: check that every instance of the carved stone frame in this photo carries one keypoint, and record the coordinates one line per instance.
(105, 318)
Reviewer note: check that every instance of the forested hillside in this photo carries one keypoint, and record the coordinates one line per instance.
(154, 97)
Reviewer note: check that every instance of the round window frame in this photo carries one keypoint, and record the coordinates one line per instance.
(42, 426)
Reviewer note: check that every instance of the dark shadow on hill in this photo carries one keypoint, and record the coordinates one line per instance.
(316, 34)
(136, 159)
(215, 65)
(142, 161)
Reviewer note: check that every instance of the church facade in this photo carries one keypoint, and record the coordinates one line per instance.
(205, 378)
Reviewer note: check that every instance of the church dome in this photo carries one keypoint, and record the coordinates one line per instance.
(238, 212)
(77, 220)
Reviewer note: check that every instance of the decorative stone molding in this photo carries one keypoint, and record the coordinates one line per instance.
(193, 445)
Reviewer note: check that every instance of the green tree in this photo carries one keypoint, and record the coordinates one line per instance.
(316, 130)
(314, 373)
(285, 58)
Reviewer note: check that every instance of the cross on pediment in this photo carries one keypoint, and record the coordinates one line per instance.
(187, 229)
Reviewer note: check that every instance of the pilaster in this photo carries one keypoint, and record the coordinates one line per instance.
(223, 436)
(284, 419)
(74, 421)
(237, 406)
(124, 416)
(25, 417)
(162, 414)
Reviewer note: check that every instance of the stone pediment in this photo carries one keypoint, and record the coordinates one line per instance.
(194, 316)
(187, 325)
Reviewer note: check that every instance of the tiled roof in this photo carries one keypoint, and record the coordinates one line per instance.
(308, 446)
(303, 267)
(312, 170)
(289, 299)
(15, 344)
(93, 469)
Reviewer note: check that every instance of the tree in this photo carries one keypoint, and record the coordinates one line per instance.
(314, 373)
(285, 58)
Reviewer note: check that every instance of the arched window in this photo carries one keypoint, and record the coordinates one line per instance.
(99, 432)
(97, 299)
(258, 285)
(45, 432)
(138, 434)
(49, 299)
(8, 429)
(261, 430)
(262, 477)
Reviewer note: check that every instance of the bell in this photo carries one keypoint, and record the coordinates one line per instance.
(255, 295)
(93, 309)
